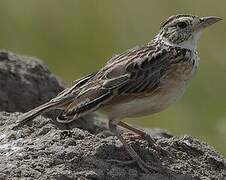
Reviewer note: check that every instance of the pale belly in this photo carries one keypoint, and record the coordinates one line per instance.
(150, 104)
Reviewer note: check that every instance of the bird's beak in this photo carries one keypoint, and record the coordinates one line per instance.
(206, 22)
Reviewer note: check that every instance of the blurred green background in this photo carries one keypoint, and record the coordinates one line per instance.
(75, 37)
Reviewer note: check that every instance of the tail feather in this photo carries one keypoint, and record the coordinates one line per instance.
(24, 118)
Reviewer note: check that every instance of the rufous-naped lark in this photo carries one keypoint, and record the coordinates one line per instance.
(141, 81)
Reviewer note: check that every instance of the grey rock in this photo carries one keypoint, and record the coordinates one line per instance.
(42, 149)
(25, 82)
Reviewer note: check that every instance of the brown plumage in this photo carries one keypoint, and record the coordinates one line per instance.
(143, 80)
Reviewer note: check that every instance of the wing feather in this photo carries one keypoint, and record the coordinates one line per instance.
(135, 72)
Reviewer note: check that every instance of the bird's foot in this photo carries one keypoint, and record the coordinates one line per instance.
(152, 143)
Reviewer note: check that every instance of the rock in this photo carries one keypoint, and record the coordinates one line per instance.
(25, 83)
(42, 149)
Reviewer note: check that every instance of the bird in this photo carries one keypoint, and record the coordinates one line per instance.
(140, 81)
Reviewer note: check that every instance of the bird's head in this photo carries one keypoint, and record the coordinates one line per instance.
(185, 29)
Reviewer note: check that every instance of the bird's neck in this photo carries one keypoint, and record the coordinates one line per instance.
(190, 44)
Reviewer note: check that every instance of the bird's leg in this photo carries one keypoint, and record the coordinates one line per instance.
(129, 149)
(143, 135)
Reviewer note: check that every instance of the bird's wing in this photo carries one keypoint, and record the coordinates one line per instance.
(70, 93)
(145, 72)
(91, 96)
(131, 73)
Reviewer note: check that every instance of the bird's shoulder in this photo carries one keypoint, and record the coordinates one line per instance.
(141, 58)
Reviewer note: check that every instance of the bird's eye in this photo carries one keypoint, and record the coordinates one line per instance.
(182, 25)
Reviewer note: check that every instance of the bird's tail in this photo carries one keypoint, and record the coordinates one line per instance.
(24, 118)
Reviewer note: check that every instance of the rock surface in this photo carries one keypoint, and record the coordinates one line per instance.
(44, 150)
(25, 82)
(41, 150)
